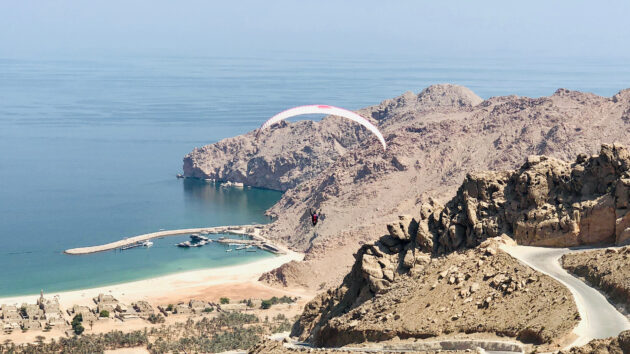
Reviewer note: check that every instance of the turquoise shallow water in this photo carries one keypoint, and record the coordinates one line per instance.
(89, 147)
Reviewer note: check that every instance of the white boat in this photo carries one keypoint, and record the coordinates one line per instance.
(184, 244)
(147, 244)
(198, 238)
(228, 250)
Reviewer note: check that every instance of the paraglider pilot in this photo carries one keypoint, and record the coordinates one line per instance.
(314, 217)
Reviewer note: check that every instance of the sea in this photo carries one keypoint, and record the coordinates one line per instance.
(90, 147)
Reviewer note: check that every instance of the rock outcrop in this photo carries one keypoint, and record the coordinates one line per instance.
(547, 202)
(396, 291)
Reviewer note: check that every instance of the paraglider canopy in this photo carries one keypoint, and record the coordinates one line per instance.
(328, 110)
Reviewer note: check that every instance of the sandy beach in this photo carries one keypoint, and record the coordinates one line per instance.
(238, 281)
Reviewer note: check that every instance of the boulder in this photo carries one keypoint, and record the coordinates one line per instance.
(378, 285)
(371, 267)
(424, 237)
(409, 259)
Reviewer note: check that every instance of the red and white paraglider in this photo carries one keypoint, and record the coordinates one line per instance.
(328, 110)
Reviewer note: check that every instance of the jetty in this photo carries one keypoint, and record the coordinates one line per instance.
(247, 230)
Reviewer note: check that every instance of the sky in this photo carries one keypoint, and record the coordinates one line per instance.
(549, 28)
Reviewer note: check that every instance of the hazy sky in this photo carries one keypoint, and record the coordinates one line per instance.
(545, 28)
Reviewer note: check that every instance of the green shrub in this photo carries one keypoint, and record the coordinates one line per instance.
(225, 300)
(77, 319)
(208, 309)
(153, 318)
(104, 313)
(266, 304)
(77, 327)
(276, 300)
(169, 307)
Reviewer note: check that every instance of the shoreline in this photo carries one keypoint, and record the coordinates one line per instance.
(161, 289)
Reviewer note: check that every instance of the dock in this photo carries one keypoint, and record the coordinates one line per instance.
(248, 230)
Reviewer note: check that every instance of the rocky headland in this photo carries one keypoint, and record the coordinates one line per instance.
(435, 138)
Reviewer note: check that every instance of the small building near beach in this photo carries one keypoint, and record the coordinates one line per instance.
(32, 311)
(182, 309)
(143, 308)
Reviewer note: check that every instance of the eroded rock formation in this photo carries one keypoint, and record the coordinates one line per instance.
(547, 202)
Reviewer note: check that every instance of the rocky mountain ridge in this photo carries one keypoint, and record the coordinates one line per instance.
(434, 139)
(290, 153)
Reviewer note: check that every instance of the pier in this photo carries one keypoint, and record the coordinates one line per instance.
(249, 230)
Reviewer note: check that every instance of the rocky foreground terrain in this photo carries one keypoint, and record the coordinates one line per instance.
(395, 290)
(607, 270)
(615, 345)
(438, 272)
(434, 139)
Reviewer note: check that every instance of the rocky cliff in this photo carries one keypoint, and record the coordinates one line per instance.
(434, 138)
(547, 202)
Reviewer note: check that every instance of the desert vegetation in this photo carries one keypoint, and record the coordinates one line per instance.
(227, 331)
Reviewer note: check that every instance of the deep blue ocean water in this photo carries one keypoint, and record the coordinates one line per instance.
(89, 148)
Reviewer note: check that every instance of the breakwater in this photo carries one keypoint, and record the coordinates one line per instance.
(250, 230)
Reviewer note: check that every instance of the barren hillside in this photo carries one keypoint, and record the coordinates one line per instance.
(606, 269)
(397, 291)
